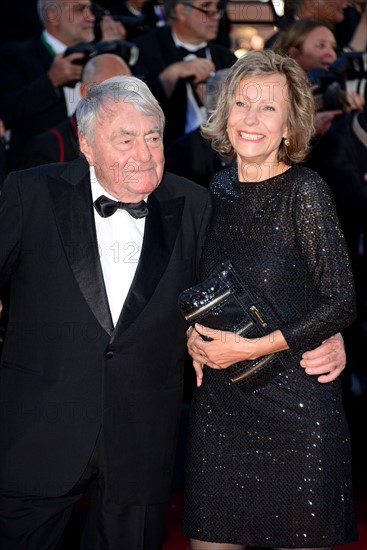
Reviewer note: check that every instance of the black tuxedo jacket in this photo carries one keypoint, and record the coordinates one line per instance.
(157, 50)
(29, 104)
(66, 375)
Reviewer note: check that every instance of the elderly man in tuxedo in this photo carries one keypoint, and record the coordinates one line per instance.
(97, 251)
(92, 367)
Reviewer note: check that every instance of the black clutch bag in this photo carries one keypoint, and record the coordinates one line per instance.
(222, 302)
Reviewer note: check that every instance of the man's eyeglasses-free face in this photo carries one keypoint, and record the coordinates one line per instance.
(219, 10)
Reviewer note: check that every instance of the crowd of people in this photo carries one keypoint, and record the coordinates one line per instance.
(106, 113)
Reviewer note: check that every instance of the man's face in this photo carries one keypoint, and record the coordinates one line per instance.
(199, 26)
(126, 151)
(71, 21)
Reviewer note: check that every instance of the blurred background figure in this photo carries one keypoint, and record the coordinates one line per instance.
(38, 82)
(137, 16)
(340, 157)
(3, 161)
(348, 22)
(177, 59)
(60, 144)
(311, 42)
(204, 161)
(246, 39)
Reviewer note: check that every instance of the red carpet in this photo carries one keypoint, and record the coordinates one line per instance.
(176, 541)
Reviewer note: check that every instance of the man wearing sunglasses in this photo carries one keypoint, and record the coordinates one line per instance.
(176, 60)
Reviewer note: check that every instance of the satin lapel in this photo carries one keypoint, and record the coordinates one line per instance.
(161, 228)
(170, 53)
(75, 220)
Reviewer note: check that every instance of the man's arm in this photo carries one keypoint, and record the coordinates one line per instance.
(327, 361)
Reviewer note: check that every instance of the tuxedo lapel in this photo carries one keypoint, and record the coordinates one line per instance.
(170, 53)
(161, 228)
(72, 200)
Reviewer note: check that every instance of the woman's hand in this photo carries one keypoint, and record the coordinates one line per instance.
(224, 349)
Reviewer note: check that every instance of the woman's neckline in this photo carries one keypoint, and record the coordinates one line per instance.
(279, 174)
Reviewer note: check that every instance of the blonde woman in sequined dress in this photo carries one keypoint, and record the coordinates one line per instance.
(270, 466)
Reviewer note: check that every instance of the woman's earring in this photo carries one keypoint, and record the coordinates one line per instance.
(286, 142)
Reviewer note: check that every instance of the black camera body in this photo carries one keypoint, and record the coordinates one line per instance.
(128, 51)
(347, 73)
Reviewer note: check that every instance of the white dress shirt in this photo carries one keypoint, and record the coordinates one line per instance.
(195, 114)
(120, 239)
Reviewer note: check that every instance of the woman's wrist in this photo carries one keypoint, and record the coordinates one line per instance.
(271, 343)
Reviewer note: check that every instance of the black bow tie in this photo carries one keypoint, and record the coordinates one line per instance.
(106, 207)
(184, 52)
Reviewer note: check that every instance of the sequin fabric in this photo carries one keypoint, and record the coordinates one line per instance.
(271, 466)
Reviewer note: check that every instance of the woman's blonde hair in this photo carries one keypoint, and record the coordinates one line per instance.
(300, 112)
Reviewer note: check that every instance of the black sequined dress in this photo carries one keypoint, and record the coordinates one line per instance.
(271, 466)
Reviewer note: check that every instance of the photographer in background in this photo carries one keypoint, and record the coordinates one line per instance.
(312, 43)
(34, 75)
(176, 60)
(61, 143)
(340, 157)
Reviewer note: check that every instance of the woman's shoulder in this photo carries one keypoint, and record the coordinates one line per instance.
(310, 190)
(223, 180)
(306, 180)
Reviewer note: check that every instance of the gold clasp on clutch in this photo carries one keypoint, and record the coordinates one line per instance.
(258, 316)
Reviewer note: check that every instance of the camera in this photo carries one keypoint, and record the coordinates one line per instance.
(128, 51)
(348, 73)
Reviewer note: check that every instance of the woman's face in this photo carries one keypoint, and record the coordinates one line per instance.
(317, 51)
(257, 121)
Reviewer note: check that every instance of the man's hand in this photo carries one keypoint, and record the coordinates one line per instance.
(327, 361)
(63, 70)
(354, 101)
(323, 120)
(111, 29)
(198, 69)
(2, 133)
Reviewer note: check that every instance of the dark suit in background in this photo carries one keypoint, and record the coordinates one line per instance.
(193, 157)
(58, 144)
(29, 104)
